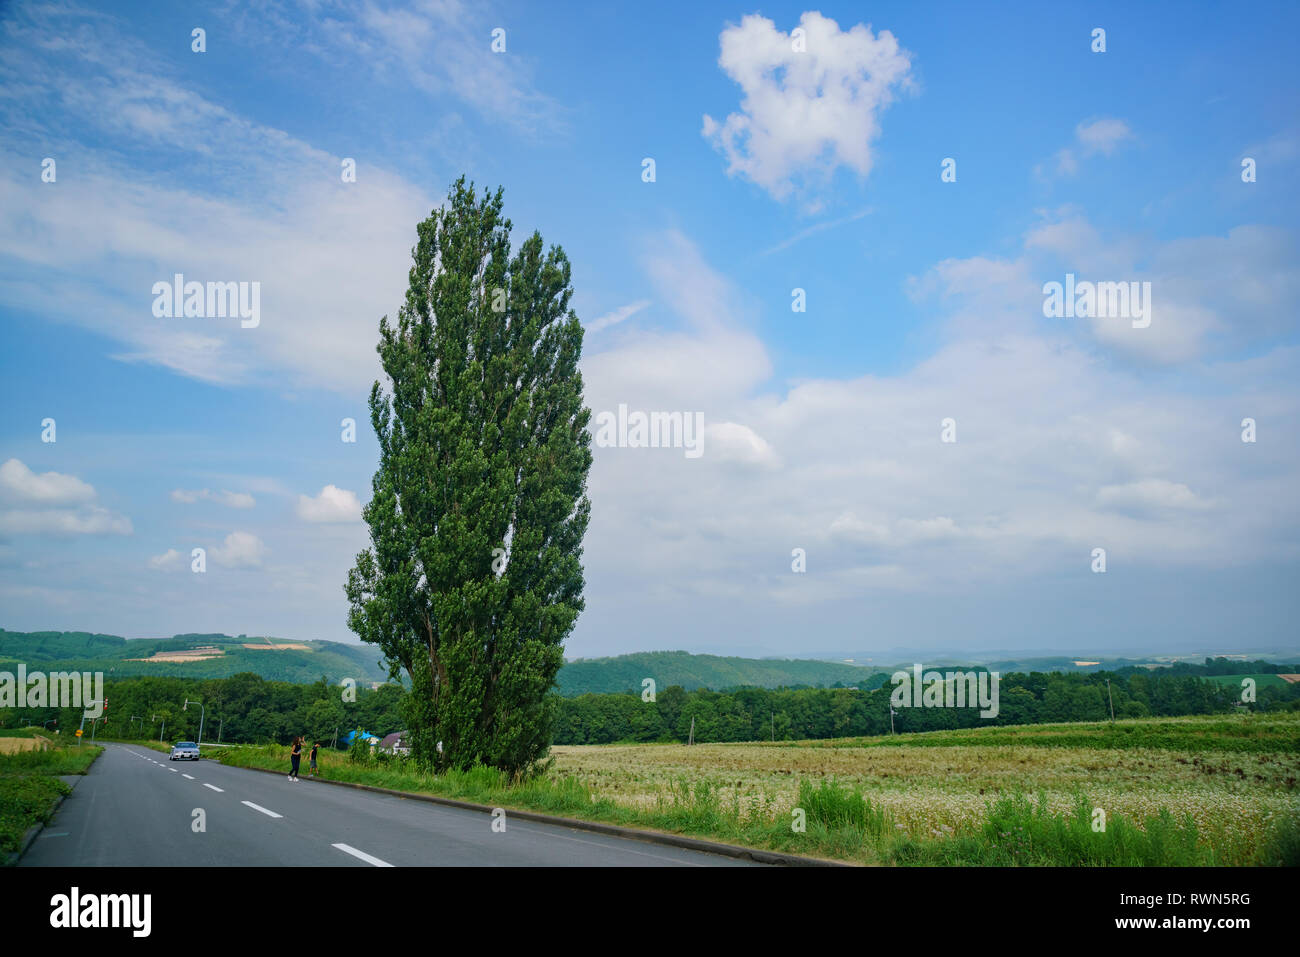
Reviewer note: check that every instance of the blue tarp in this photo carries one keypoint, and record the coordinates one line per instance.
(353, 735)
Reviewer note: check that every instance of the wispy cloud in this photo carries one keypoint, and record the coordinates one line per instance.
(814, 230)
(1092, 137)
(621, 314)
(223, 497)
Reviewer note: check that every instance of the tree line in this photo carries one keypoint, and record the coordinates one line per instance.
(246, 708)
(242, 709)
(758, 714)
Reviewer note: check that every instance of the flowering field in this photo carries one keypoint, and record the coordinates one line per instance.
(930, 787)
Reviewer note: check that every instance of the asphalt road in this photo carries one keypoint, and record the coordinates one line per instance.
(136, 808)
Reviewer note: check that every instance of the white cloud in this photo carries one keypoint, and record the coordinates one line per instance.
(87, 520)
(1150, 493)
(224, 497)
(733, 442)
(258, 208)
(167, 560)
(804, 113)
(1208, 294)
(333, 504)
(63, 505)
(1103, 135)
(239, 550)
(444, 48)
(20, 484)
(621, 314)
(1060, 449)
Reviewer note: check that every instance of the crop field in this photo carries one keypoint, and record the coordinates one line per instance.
(1235, 777)
(1190, 791)
(12, 745)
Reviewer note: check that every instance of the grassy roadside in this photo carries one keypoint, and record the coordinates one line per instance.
(30, 785)
(847, 821)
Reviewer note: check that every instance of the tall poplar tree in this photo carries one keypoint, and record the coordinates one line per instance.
(473, 578)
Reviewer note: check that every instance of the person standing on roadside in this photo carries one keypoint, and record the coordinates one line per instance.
(311, 760)
(295, 756)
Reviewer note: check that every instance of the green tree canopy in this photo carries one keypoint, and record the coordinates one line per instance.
(473, 578)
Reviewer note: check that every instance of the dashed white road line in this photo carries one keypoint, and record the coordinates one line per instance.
(173, 771)
(214, 787)
(346, 849)
(190, 776)
(258, 807)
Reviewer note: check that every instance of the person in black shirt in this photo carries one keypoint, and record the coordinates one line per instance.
(295, 756)
(311, 760)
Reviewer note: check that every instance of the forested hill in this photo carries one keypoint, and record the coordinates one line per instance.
(668, 668)
(190, 656)
(279, 659)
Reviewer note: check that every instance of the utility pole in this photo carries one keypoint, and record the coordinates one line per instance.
(691, 740)
(891, 719)
(220, 727)
(83, 726)
(1112, 701)
(202, 713)
(774, 727)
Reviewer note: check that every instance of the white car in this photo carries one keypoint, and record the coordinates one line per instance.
(184, 751)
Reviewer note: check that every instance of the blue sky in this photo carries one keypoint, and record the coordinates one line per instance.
(924, 301)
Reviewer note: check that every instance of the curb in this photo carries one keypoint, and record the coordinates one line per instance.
(614, 830)
(32, 832)
(15, 856)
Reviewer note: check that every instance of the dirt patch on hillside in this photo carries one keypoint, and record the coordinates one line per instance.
(286, 646)
(188, 654)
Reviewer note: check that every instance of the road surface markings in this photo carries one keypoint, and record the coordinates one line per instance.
(190, 776)
(258, 807)
(359, 854)
(626, 850)
(173, 771)
(214, 787)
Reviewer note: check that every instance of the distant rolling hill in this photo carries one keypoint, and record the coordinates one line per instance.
(190, 656)
(667, 668)
(276, 659)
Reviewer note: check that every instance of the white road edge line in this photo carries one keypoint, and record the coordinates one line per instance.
(258, 807)
(359, 854)
(214, 787)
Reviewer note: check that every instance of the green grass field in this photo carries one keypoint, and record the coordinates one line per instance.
(1176, 791)
(1261, 681)
(29, 781)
